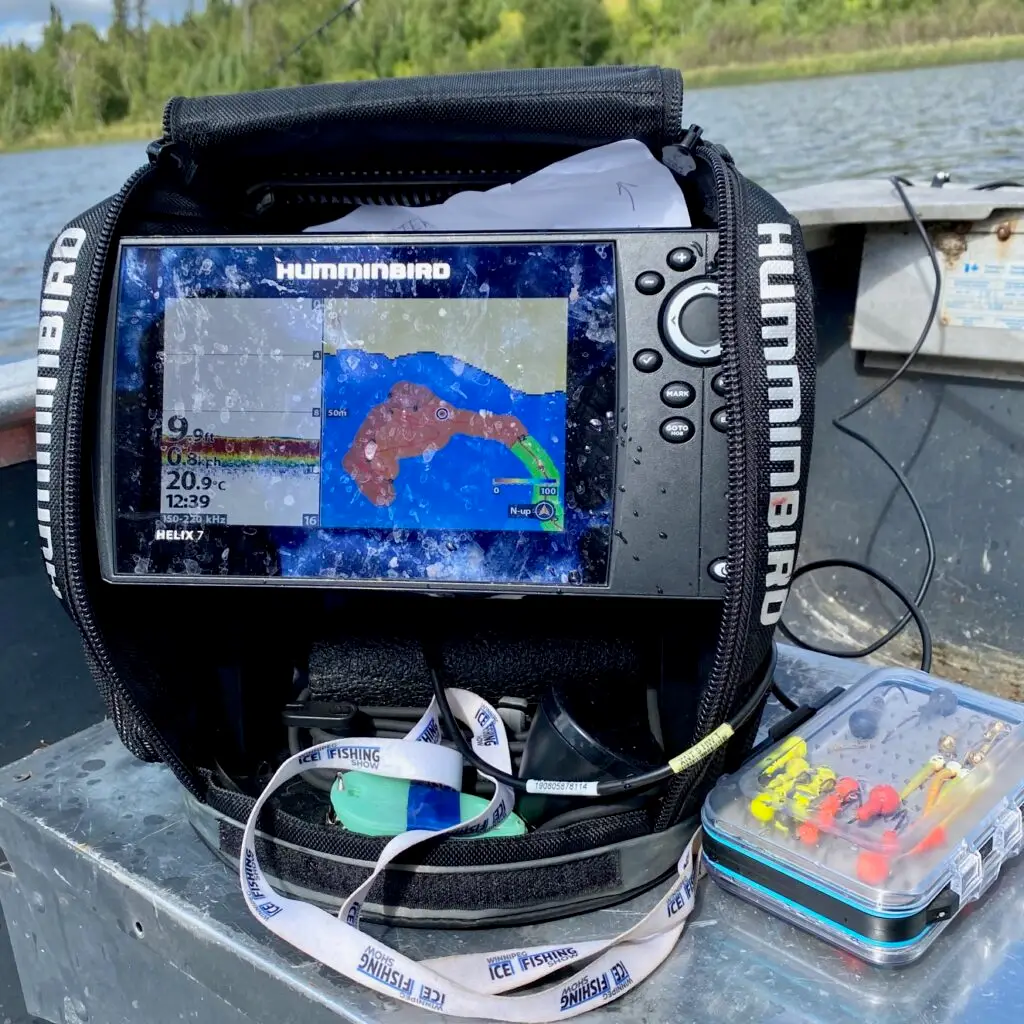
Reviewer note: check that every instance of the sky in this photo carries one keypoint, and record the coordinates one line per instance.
(23, 20)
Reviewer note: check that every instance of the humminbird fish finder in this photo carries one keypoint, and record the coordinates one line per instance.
(499, 413)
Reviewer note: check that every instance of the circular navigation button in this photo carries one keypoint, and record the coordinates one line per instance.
(682, 258)
(650, 282)
(689, 322)
(720, 419)
(677, 430)
(718, 384)
(647, 360)
(718, 570)
(678, 394)
(698, 320)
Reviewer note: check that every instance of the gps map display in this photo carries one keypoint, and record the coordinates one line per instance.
(374, 412)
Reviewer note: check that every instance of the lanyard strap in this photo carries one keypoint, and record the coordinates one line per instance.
(467, 985)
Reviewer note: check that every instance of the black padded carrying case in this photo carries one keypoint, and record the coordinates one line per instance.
(286, 159)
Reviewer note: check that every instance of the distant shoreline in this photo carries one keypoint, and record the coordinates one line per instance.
(978, 49)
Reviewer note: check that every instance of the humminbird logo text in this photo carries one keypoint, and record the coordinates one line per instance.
(57, 287)
(363, 271)
(778, 335)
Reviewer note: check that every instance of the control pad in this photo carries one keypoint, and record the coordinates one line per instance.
(671, 515)
(689, 323)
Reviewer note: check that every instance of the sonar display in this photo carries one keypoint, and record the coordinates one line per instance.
(351, 412)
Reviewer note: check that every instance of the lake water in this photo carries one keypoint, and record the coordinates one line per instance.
(968, 120)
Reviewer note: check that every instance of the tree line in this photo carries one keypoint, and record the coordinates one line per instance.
(78, 78)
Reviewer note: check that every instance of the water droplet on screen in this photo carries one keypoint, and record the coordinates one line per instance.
(289, 499)
(595, 423)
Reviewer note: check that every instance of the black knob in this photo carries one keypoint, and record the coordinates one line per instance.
(682, 258)
(720, 419)
(650, 282)
(677, 430)
(647, 360)
(678, 394)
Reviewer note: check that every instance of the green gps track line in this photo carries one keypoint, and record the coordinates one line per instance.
(532, 455)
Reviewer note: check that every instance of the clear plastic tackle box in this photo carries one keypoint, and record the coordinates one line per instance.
(879, 820)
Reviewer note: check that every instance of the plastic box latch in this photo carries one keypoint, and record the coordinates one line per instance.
(967, 875)
(1008, 833)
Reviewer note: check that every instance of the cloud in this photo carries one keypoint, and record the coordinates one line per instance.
(15, 32)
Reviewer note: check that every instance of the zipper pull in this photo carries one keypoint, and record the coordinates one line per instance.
(165, 152)
(678, 158)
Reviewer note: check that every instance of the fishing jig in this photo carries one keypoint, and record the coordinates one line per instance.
(941, 703)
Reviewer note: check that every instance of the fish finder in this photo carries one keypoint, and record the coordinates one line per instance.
(533, 412)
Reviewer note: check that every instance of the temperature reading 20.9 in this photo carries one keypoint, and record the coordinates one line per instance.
(186, 480)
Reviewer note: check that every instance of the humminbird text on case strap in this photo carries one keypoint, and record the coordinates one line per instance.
(57, 288)
(778, 332)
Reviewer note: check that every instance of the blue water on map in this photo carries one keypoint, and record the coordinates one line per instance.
(452, 488)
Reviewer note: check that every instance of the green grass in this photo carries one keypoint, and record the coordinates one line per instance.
(48, 138)
(894, 58)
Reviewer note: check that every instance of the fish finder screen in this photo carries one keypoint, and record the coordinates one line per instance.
(365, 412)
(351, 412)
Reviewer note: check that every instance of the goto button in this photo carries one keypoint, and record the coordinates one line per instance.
(720, 419)
(682, 258)
(677, 430)
(647, 360)
(678, 394)
(650, 282)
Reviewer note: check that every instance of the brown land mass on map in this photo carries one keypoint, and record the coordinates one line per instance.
(410, 422)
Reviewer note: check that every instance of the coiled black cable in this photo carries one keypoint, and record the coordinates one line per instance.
(839, 422)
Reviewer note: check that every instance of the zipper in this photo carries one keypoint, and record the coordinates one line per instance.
(78, 600)
(720, 692)
(722, 683)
